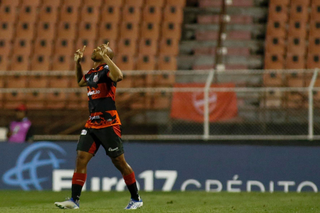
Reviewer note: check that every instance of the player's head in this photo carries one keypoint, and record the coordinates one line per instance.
(21, 112)
(97, 57)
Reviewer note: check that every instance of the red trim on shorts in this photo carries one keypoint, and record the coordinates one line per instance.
(129, 179)
(117, 130)
(93, 148)
(79, 178)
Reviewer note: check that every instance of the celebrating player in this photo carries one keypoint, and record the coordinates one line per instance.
(103, 127)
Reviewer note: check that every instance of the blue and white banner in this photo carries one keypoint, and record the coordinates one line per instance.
(166, 167)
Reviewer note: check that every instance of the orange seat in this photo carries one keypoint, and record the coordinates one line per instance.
(131, 13)
(35, 3)
(180, 3)
(171, 30)
(5, 47)
(77, 100)
(35, 100)
(43, 46)
(276, 28)
(129, 28)
(90, 45)
(299, 12)
(28, 13)
(126, 82)
(125, 61)
(64, 46)
(25, 30)
(146, 62)
(157, 3)
(295, 81)
(273, 99)
(69, 12)
(14, 3)
(7, 30)
(152, 13)
(150, 30)
(14, 99)
(40, 62)
(273, 61)
(46, 30)
(4, 62)
(297, 28)
(16, 81)
(161, 100)
(275, 44)
(55, 3)
(173, 13)
(49, 12)
(313, 61)
(165, 80)
(314, 44)
(167, 62)
(295, 61)
(302, 2)
(38, 81)
(8, 13)
(278, 11)
(127, 46)
(89, 13)
(95, 3)
(137, 3)
(315, 11)
(314, 27)
(169, 46)
(296, 45)
(148, 46)
(273, 79)
(76, 3)
(87, 30)
(56, 100)
(111, 13)
(20, 62)
(108, 30)
(22, 47)
(59, 81)
(62, 62)
(66, 30)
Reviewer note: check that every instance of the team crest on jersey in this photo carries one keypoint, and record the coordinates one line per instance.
(95, 78)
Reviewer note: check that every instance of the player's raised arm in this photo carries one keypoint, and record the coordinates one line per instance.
(79, 75)
(107, 55)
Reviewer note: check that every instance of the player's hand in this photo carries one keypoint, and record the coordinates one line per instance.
(79, 54)
(103, 50)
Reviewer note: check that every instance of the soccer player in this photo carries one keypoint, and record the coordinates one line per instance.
(103, 126)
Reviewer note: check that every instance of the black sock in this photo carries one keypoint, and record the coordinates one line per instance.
(76, 192)
(134, 191)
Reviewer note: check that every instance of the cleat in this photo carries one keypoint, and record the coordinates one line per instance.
(68, 204)
(134, 204)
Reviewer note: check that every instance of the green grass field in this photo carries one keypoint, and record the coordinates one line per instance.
(19, 201)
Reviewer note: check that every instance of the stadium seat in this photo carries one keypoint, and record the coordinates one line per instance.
(28, 12)
(37, 81)
(16, 81)
(131, 13)
(148, 46)
(301, 2)
(126, 82)
(20, 62)
(76, 3)
(313, 61)
(165, 80)
(46, 30)
(8, 12)
(25, 30)
(150, 30)
(296, 45)
(277, 28)
(297, 28)
(60, 81)
(129, 28)
(127, 45)
(157, 3)
(273, 79)
(125, 61)
(4, 62)
(296, 81)
(14, 3)
(108, 30)
(314, 27)
(295, 61)
(62, 62)
(64, 46)
(315, 10)
(56, 100)
(35, 100)
(111, 13)
(278, 11)
(95, 3)
(152, 13)
(273, 61)
(90, 45)
(299, 11)
(87, 30)
(49, 12)
(66, 30)
(169, 46)
(138, 3)
(7, 30)
(273, 99)
(77, 100)
(14, 99)
(294, 100)
(69, 12)
(161, 100)
(173, 14)
(22, 47)
(5, 47)
(35, 3)
(167, 62)
(40, 62)
(89, 14)
(43, 46)
(146, 62)
(180, 3)
(314, 44)
(55, 3)
(171, 30)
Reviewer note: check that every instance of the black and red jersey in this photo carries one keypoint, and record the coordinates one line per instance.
(101, 92)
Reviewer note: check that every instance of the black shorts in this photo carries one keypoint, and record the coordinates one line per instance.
(91, 139)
